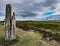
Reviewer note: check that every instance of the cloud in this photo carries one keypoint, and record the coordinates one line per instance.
(57, 7)
(27, 14)
(11, 1)
(2, 18)
(30, 8)
(50, 3)
(20, 18)
(56, 13)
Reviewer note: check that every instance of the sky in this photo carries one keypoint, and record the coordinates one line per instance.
(31, 9)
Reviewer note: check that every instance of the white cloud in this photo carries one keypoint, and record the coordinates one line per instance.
(12, 1)
(2, 18)
(56, 13)
(57, 7)
(40, 0)
(21, 18)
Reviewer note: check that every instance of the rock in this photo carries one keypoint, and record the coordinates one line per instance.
(9, 24)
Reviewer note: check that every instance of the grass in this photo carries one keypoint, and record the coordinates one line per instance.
(32, 38)
(5, 43)
(28, 39)
(48, 29)
(36, 25)
(2, 35)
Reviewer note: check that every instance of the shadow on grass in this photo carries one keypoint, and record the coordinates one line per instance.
(3, 42)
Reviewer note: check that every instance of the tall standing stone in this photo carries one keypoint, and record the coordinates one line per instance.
(9, 24)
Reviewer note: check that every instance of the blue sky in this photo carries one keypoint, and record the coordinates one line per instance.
(31, 9)
(47, 13)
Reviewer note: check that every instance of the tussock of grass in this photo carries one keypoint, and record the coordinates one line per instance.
(28, 39)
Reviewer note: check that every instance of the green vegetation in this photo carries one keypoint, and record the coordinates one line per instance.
(48, 29)
(12, 42)
(28, 39)
(43, 30)
(2, 35)
(1, 26)
(36, 25)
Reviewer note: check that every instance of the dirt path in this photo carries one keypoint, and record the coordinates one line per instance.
(21, 31)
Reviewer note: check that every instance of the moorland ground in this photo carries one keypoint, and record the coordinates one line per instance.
(35, 33)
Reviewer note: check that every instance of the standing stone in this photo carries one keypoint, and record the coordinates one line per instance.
(13, 27)
(9, 24)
